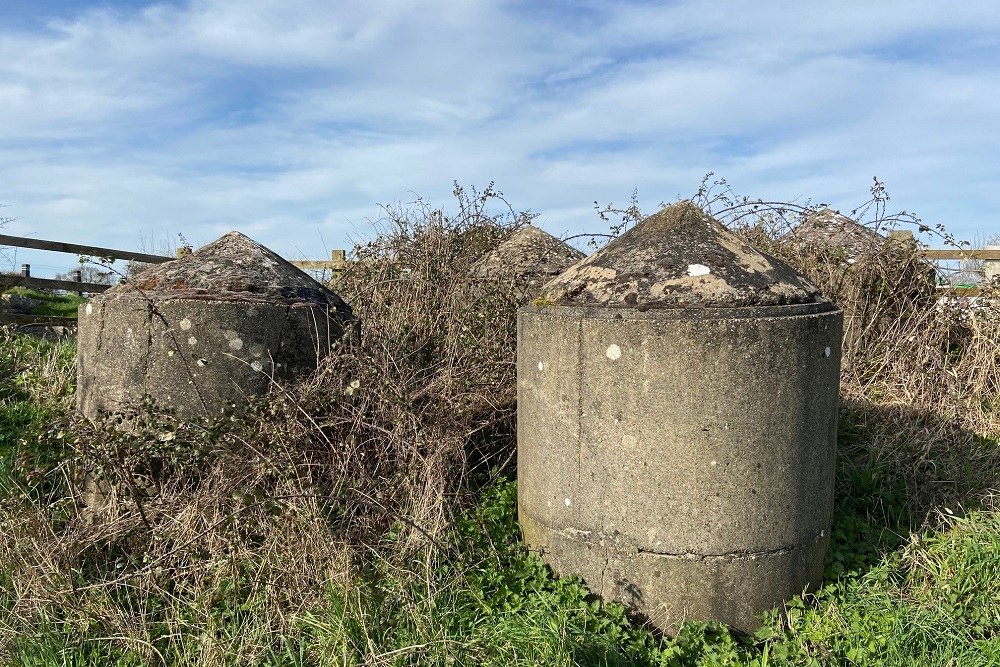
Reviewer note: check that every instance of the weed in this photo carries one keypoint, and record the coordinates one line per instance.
(362, 517)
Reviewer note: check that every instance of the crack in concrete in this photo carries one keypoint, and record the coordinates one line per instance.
(612, 545)
(742, 555)
(147, 355)
(579, 403)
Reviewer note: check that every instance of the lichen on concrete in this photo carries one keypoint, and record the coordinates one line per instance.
(232, 268)
(831, 230)
(678, 258)
(677, 418)
(206, 332)
(530, 256)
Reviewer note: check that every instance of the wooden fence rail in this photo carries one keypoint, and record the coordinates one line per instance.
(337, 263)
(76, 249)
(9, 280)
(990, 254)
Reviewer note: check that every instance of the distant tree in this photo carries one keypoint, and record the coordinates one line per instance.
(89, 274)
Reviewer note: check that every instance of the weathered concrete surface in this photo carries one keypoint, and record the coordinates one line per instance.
(202, 333)
(680, 459)
(677, 258)
(669, 589)
(530, 257)
(827, 229)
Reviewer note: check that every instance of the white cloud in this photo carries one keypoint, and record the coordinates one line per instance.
(292, 119)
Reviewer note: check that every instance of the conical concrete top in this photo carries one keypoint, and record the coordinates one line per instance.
(232, 268)
(680, 257)
(827, 228)
(529, 253)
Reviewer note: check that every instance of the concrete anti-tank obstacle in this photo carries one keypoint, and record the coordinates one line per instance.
(677, 413)
(204, 332)
(529, 258)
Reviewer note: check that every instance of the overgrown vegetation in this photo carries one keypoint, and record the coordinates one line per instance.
(367, 515)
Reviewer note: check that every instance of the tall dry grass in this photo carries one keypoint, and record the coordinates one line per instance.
(920, 380)
(219, 538)
(215, 538)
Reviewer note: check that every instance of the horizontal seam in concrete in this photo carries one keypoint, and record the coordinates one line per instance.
(742, 555)
(728, 557)
(690, 313)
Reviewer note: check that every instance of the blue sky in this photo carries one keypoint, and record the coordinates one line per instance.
(123, 123)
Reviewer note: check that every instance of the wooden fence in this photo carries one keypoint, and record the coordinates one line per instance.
(934, 255)
(337, 262)
(336, 265)
(987, 255)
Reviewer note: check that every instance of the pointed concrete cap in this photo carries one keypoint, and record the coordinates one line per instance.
(232, 268)
(529, 251)
(678, 258)
(827, 228)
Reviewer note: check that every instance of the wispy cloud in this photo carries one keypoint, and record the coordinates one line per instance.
(292, 120)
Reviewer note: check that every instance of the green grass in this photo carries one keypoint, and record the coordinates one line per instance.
(890, 597)
(53, 305)
(35, 386)
(930, 601)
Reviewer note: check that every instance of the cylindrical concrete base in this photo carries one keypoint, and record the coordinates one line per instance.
(197, 357)
(680, 460)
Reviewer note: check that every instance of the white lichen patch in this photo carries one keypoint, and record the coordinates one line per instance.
(613, 352)
(707, 286)
(186, 324)
(592, 274)
(235, 342)
(257, 366)
(89, 309)
(746, 256)
(698, 270)
(192, 340)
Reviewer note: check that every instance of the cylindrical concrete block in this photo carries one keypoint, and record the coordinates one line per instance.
(677, 411)
(203, 333)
